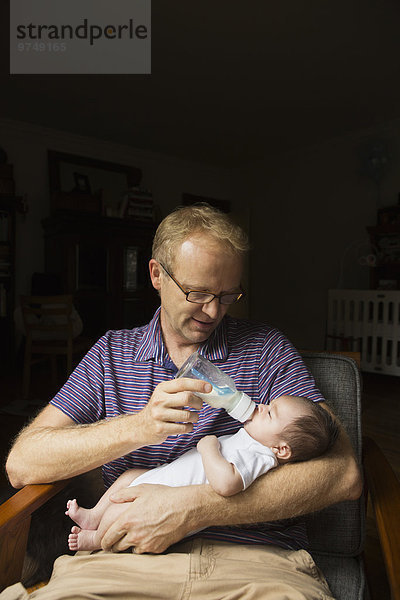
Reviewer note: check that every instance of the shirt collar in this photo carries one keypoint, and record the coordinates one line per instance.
(152, 345)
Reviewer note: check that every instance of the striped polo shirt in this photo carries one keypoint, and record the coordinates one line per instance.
(119, 373)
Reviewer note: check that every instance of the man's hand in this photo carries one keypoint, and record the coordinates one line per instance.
(167, 410)
(151, 523)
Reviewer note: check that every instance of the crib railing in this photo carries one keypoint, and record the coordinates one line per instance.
(366, 321)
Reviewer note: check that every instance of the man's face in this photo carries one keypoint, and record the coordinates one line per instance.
(200, 264)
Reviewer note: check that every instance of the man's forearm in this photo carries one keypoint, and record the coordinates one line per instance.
(53, 447)
(43, 454)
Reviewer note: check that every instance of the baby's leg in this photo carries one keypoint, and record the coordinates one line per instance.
(89, 518)
(85, 539)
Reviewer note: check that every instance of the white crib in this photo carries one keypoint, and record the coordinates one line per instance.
(366, 321)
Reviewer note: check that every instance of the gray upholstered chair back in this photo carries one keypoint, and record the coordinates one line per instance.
(336, 534)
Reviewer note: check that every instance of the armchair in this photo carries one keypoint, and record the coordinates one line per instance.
(336, 533)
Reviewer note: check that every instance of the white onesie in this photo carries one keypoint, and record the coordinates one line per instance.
(250, 458)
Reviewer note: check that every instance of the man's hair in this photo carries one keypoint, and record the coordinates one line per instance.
(312, 434)
(197, 218)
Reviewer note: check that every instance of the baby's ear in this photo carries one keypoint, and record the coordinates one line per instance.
(282, 451)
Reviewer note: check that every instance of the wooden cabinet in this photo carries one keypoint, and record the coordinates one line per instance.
(103, 262)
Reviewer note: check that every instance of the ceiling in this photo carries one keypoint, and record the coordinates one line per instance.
(231, 81)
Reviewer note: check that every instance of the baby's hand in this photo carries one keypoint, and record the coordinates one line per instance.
(208, 442)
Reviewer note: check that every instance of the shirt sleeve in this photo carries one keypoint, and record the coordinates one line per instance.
(82, 396)
(283, 372)
(252, 463)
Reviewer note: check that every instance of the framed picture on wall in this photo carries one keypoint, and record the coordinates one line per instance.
(82, 184)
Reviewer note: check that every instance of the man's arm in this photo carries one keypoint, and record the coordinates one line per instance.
(158, 519)
(222, 475)
(54, 447)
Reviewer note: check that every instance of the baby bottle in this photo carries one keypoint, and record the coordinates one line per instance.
(224, 393)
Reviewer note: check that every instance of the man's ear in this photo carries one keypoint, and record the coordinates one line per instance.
(282, 451)
(155, 274)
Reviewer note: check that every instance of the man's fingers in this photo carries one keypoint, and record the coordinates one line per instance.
(128, 494)
(174, 415)
(169, 410)
(182, 392)
(186, 384)
(121, 545)
(114, 538)
(178, 399)
(166, 428)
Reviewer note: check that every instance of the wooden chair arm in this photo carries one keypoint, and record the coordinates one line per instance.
(384, 489)
(15, 518)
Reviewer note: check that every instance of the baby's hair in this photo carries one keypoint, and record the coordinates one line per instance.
(311, 435)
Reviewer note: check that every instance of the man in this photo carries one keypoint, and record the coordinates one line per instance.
(122, 408)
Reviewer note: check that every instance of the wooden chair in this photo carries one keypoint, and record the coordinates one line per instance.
(15, 520)
(336, 533)
(49, 328)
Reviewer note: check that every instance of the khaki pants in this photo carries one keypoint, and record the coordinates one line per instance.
(192, 570)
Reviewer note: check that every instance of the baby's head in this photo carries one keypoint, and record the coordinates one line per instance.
(295, 428)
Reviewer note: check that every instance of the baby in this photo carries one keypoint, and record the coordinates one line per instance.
(289, 429)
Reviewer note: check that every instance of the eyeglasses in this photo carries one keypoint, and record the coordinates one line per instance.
(199, 297)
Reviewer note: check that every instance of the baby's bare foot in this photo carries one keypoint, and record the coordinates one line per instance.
(84, 517)
(73, 539)
(82, 539)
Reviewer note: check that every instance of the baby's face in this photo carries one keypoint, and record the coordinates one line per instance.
(269, 420)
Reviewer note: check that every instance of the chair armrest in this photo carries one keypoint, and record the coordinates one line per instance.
(384, 489)
(15, 518)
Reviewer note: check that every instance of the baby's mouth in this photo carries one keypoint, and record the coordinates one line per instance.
(255, 411)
